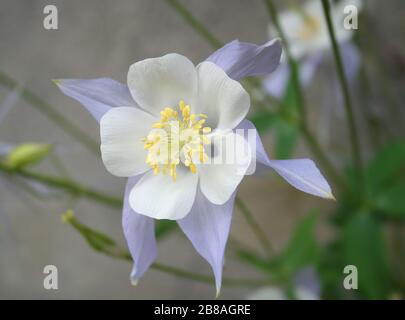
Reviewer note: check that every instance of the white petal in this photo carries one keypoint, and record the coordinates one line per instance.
(291, 23)
(121, 131)
(159, 197)
(224, 100)
(157, 83)
(226, 168)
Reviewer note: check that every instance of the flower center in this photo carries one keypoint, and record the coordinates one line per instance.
(310, 24)
(178, 136)
(309, 28)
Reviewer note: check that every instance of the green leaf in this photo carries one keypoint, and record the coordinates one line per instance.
(392, 201)
(164, 228)
(263, 120)
(363, 247)
(286, 134)
(286, 139)
(330, 271)
(302, 249)
(26, 154)
(388, 165)
(290, 98)
(286, 129)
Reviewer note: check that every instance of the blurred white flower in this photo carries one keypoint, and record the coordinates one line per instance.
(306, 286)
(307, 34)
(306, 30)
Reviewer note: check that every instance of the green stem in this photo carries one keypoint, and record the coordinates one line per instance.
(66, 185)
(259, 233)
(208, 279)
(249, 83)
(293, 64)
(346, 93)
(76, 189)
(194, 23)
(180, 273)
(42, 106)
(320, 155)
(104, 244)
(309, 138)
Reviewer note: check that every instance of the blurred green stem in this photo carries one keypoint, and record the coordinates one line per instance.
(109, 248)
(249, 83)
(208, 279)
(293, 64)
(259, 233)
(303, 125)
(321, 157)
(77, 189)
(42, 106)
(309, 138)
(346, 93)
(66, 185)
(194, 23)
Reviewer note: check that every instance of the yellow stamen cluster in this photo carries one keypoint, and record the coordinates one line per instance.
(178, 136)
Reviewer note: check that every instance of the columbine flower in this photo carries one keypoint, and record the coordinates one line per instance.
(167, 97)
(306, 31)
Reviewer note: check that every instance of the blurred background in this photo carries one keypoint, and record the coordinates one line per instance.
(102, 38)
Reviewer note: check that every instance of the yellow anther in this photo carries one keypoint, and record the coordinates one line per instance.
(166, 148)
(158, 125)
(193, 168)
(201, 152)
(186, 112)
